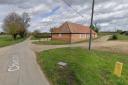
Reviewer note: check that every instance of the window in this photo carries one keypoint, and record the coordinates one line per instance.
(60, 35)
(82, 36)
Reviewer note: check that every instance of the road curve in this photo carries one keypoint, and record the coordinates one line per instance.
(18, 66)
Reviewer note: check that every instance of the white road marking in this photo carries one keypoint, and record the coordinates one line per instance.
(14, 64)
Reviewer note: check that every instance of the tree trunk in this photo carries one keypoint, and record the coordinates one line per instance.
(22, 35)
(14, 36)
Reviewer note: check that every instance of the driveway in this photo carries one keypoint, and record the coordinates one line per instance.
(98, 44)
(18, 66)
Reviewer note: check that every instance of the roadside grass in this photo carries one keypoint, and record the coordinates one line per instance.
(6, 40)
(84, 67)
(50, 42)
(34, 38)
(100, 34)
(56, 42)
(120, 37)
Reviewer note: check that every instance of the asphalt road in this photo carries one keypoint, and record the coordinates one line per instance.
(18, 66)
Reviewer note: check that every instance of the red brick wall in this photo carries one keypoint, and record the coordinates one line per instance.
(81, 37)
(77, 37)
(62, 37)
(70, 38)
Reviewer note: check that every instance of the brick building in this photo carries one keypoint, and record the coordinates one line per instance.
(72, 32)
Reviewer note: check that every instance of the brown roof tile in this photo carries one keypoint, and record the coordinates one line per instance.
(69, 27)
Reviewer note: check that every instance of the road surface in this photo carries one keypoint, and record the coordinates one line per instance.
(18, 66)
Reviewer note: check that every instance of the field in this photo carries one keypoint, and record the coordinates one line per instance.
(105, 33)
(122, 37)
(6, 40)
(84, 67)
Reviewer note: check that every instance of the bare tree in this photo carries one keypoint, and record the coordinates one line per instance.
(25, 24)
(15, 24)
(12, 24)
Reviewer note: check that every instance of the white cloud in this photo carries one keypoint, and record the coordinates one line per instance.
(104, 24)
(108, 13)
(38, 8)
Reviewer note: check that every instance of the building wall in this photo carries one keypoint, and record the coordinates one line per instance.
(62, 37)
(81, 37)
(70, 38)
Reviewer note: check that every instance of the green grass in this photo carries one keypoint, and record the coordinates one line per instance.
(84, 67)
(50, 42)
(55, 42)
(104, 33)
(34, 38)
(121, 37)
(6, 40)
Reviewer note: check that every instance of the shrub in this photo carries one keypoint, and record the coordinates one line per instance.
(126, 33)
(114, 37)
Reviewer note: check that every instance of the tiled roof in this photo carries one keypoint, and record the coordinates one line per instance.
(69, 27)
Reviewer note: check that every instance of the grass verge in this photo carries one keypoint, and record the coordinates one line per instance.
(6, 40)
(34, 38)
(84, 67)
(50, 42)
(119, 37)
(56, 42)
(122, 37)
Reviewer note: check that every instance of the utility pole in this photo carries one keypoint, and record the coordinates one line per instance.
(90, 40)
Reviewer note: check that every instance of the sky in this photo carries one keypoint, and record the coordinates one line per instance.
(109, 15)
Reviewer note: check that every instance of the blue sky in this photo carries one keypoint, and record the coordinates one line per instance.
(109, 14)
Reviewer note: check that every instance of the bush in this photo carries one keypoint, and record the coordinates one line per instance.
(126, 33)
(114, 37)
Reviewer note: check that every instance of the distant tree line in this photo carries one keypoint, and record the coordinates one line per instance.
(122, 32)
(118, 32)
(2, 33)
(38, 34)
(15, 24)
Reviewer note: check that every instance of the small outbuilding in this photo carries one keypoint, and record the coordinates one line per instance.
(72, 32)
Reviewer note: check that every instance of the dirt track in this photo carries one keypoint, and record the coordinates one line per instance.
(98, 44)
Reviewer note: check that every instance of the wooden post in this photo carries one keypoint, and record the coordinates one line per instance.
(92, 15)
